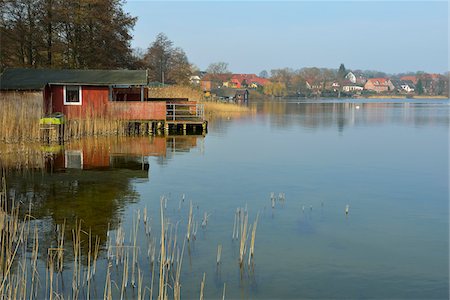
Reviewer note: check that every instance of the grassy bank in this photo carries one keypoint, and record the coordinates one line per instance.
(176, 91)
(405, 97)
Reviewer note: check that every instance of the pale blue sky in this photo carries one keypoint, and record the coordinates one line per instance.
(252, 36)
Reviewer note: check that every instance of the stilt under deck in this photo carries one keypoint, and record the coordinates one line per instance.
(180, 119)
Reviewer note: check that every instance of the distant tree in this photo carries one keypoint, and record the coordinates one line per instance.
(218, 68)
(275, 89)
(179, 69)
(341, 72)
(165, 63)
(419, 87)
(264, 74)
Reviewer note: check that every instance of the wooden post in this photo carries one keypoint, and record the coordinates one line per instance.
(150, 128)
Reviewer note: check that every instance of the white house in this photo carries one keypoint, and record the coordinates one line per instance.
(407, 87)
(195, 79)
(352, 88)
(351, 77)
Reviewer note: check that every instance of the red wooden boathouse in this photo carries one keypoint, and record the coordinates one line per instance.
(116, 94)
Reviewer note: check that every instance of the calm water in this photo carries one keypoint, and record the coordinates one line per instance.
(387, 160)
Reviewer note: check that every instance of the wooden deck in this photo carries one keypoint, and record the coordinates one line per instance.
(147, 118)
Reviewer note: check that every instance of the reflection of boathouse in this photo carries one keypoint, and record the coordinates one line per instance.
(88, 180)
(118, 153)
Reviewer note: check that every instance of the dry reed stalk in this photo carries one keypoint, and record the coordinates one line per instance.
(161, 294)
(140, 279)
(34, 257)
(243, 242)
(205, 219)
(134, 262)
(190, 219)
(252, 244)
(219, 253)
(202, 286)
(177, 285)
(108, 290)
(60, 260)
(151, 283)
(96, 249)
(224, 287)
(124, 277)
(76, 238)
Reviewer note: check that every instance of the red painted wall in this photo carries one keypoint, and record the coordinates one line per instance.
(149, 110)
(95, 103)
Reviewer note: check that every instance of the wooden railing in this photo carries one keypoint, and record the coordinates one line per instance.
(185, 112)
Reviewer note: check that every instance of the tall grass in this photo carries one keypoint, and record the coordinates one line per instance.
(19, 116)
(176, 91)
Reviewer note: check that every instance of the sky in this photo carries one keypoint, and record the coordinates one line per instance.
(252, 36)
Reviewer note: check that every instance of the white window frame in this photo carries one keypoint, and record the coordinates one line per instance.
(68, 153)
(73, 103)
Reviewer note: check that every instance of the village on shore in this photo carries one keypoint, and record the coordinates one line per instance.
(354, 84)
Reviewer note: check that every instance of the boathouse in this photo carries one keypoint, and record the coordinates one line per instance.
(116, 94)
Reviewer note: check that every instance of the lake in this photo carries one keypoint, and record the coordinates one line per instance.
(350, 197)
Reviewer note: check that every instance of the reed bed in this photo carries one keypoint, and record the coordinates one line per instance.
(75, 255)
(176, 91)
(19, 116)
(218, 110)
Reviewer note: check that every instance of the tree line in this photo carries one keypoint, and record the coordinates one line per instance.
(83, 34)
(65, 34)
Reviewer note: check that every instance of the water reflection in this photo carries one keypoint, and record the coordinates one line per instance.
(342, 114)
(89, 180)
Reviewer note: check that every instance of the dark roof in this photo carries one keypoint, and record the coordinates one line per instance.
(224, 92)
(36, 79)
(241, 92)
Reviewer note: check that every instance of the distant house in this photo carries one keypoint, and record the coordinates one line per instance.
(351, 77)
(230, 94)
(246, 81)
(379, 85)
(352, 88)
(412, 78)
(213, 81)
(314, 85)
(408, 86)
(241, 96)
(194, 79)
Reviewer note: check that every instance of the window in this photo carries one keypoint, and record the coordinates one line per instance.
(72, 95)
(73, 159)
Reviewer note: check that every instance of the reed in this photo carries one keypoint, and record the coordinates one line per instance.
(219, 253)
(190, 220)
(202, 286)
(162, 269)
(252, 243)
(20, 246)
(243, 241)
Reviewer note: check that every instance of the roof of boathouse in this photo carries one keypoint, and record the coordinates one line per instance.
(36, 79)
